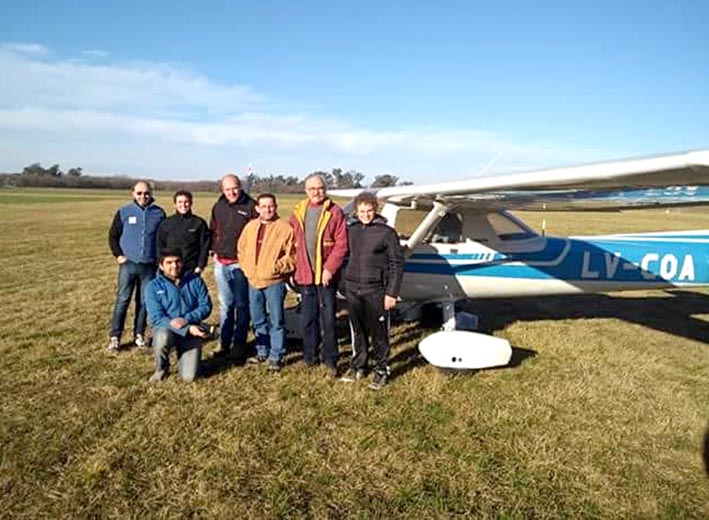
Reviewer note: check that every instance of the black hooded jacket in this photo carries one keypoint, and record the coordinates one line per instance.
(227, 222)
(376, 260)
(189, 234)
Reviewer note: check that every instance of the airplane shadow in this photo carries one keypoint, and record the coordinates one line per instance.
(671, 312)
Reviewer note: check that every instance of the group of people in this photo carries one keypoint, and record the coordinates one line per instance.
(255, 253)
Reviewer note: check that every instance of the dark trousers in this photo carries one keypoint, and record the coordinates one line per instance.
(318, 323)
(368, 319)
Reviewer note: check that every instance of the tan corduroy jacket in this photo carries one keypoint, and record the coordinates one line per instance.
(276, 260)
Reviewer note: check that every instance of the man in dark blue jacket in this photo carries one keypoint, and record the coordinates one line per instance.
(177, 307)
(132, 241)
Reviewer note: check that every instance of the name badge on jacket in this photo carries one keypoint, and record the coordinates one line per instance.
(132, 219)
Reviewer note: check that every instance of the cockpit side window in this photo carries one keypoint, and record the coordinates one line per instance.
(508, 229)
(449, 230)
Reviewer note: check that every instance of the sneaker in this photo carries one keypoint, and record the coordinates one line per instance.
(256, 360)
(378, 381)
(158, 376)
(353, 374)
(139, 341)
(274, 366)
(114, 343)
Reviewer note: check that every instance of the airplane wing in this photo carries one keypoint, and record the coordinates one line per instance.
(665, 180)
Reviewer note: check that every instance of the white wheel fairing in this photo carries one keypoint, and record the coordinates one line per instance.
(464, 350)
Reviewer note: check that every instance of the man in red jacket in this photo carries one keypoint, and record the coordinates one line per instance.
(321, 246)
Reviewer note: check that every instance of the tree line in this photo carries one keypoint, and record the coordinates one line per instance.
(35, 175)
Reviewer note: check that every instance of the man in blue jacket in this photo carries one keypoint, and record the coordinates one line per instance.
(132, 241)
(177, 307)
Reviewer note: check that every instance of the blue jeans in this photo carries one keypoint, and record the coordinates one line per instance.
(269, 329)
(189, 352)
(131, 275)
(233, 294)
(318, 322)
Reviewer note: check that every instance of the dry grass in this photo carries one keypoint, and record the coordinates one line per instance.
(603, 415)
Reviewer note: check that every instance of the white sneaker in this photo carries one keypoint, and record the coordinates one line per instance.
(139, 341)
(158, 376)
(114, 343)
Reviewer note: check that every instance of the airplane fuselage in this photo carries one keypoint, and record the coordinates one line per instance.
(551, 265)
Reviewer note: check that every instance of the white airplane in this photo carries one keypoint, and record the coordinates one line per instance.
(469, 246)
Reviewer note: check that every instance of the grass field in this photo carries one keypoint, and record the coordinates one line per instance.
(602, 414)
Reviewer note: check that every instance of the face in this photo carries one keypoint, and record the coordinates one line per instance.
(183, 204)
(231, 188)
(365, 213)
(315, 189)
(266, 209)
(141, 193)
(171, 266)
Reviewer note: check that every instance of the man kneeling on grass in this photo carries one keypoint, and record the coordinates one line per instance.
(176, 307)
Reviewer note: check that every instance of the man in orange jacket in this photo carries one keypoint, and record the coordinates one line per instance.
(266, 250)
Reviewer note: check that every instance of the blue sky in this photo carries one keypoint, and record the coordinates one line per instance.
(422, 90)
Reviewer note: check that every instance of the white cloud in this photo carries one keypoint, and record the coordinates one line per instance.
(118, 104)
(95, 53)
(25, 48)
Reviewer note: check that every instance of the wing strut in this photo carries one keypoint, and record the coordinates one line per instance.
(438, 211)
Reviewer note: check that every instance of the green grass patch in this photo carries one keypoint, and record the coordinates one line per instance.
(605, 419)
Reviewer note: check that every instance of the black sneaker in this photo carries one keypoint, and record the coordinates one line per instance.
(354, 374)
(256, 360)
(378, 381)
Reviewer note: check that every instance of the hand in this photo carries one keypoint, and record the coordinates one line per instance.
(121, 259)
(389, 302)
(326, 277)
(197, 270)
(177, 323)
(197, 331)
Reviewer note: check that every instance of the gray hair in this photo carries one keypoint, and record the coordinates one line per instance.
(314, 176)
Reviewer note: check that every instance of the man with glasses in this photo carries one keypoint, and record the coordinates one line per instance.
(230, 214)
(132, 241)
(321, 246)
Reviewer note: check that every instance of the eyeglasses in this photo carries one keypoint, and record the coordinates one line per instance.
(316, 188)
(141, 193)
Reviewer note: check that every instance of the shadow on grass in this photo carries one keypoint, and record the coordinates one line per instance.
(212, 365)
(673, 312)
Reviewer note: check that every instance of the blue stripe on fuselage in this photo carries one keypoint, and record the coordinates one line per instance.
(649, 260)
